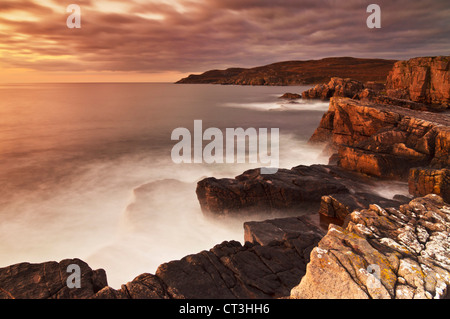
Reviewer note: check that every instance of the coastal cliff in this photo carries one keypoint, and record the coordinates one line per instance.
(396, 140)
(383, 254)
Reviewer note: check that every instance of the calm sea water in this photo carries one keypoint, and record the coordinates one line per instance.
(86, 170)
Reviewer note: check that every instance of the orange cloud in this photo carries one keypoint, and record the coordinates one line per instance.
(137, 40)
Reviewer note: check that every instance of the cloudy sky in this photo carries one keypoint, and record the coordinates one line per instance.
(163, 40)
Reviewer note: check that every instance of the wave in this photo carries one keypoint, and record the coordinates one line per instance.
(299, 105)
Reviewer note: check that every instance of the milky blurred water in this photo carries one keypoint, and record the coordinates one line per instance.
(86, 170)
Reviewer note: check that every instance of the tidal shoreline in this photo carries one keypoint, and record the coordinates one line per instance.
(400, 132)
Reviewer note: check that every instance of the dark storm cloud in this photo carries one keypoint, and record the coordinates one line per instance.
(192, 36)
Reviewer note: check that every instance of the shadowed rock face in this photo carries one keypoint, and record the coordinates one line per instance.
(290, 96)
(424, 80)
(270, 231)
(230, 270)
(254, 193)
(423, 181)
(383, 253)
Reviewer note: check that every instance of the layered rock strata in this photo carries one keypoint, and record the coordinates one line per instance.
(337, 87)
(230, 270)
(383, 140)
(383, 253)
(49, 281)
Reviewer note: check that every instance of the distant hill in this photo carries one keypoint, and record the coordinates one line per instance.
(298, 72)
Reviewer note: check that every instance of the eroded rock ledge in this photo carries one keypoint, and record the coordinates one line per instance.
(49, 281)
(296, 191)
(383, 140)
(409, 249)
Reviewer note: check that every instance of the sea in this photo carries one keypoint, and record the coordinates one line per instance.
(86, 168)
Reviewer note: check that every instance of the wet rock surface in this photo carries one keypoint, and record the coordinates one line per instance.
(291, 96)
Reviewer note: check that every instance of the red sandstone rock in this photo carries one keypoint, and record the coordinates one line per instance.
(290, 96)
(424, 80)
(384, 140)
(337, 87)
(299, 72)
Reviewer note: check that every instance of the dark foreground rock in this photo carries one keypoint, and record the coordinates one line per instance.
(424, 80)
(339, 206)
(423, 181)
(229, 270)
(378, 253)
(383, 253)
(49, 281)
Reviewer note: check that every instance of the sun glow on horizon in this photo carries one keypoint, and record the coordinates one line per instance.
(164, 40)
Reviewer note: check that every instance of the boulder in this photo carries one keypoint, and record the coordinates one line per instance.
(337, 87)
(339, 206)
(291, 96)
(279, 229)
(229, 270)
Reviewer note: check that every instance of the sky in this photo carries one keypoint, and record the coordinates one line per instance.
(165, 40)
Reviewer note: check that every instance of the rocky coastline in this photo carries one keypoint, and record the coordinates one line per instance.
(297, 72)
(330, 235)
